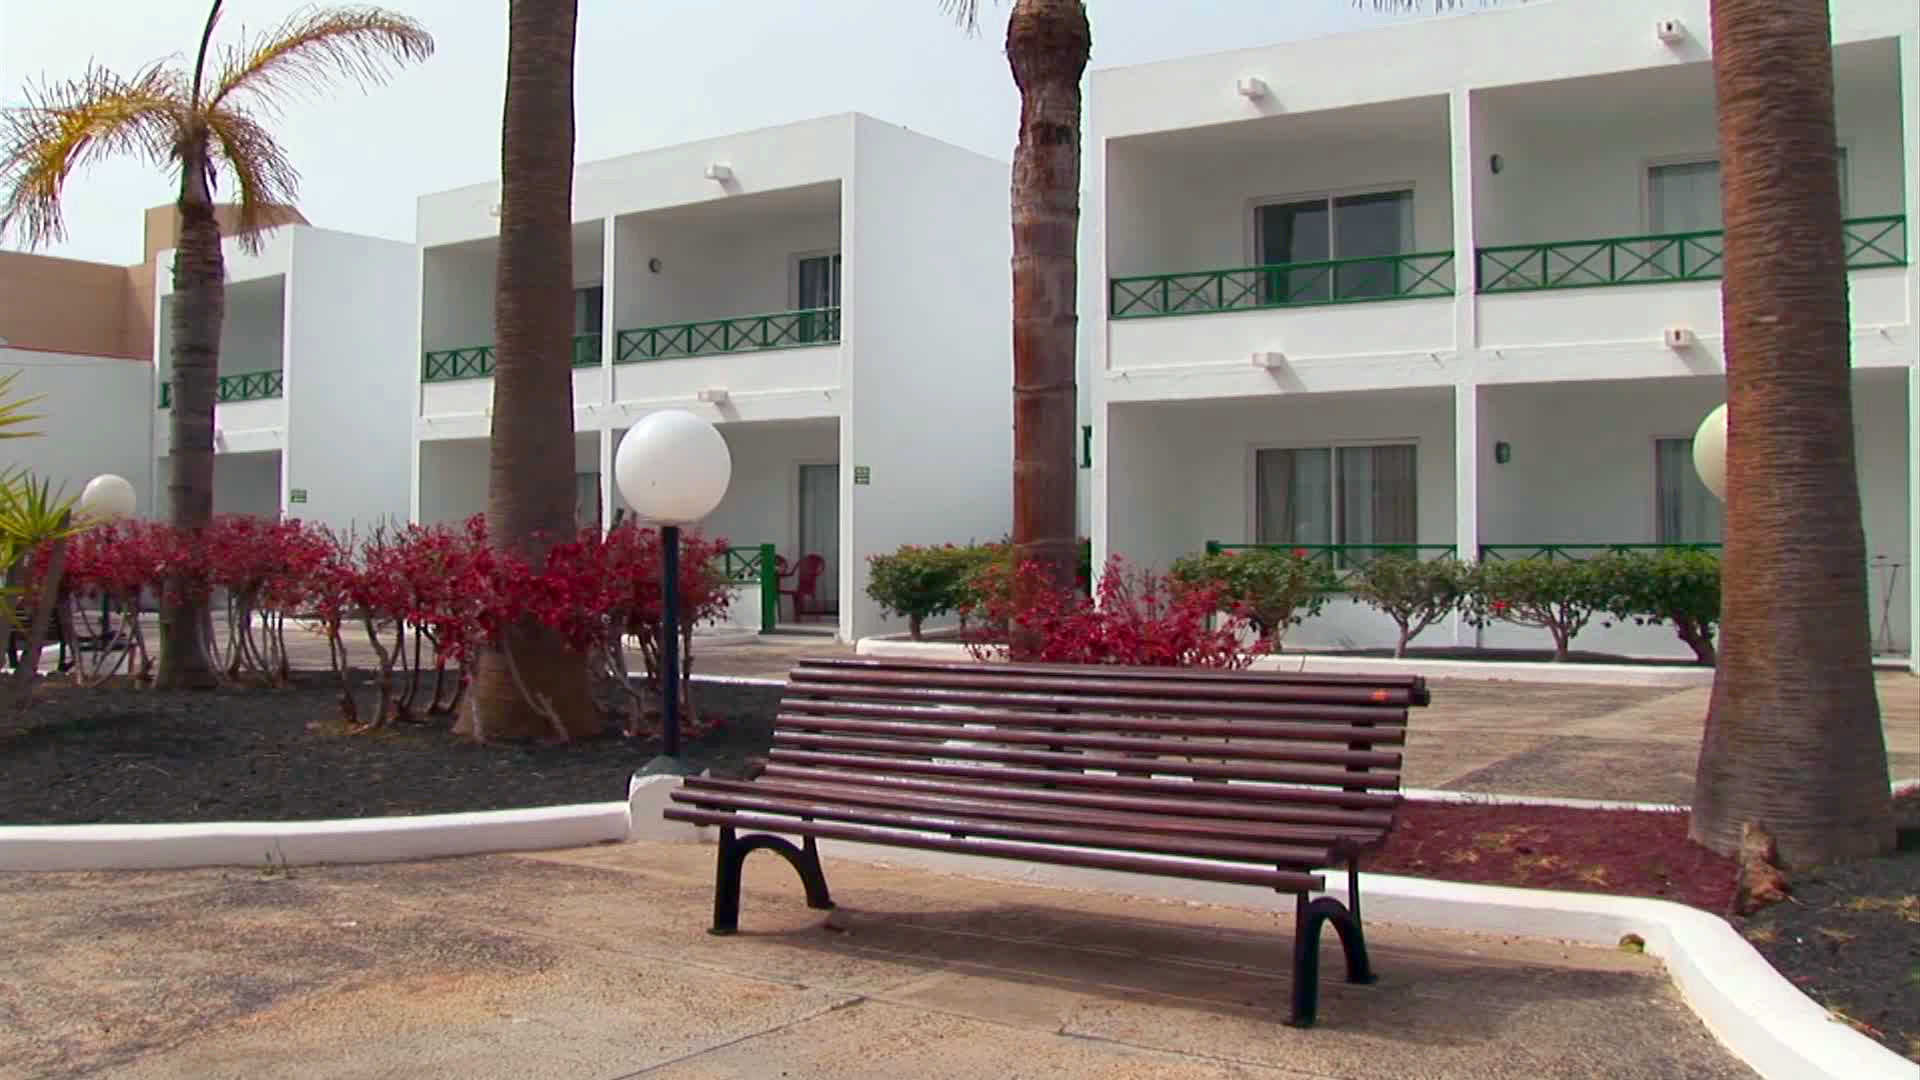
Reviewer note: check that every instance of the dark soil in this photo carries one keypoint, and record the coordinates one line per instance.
(124, 755)
(1617, 852)
(1850, 938)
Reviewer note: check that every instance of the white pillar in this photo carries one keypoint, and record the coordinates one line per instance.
(1910, 138)
(1465, 151)
(1466, 342)
(609, 328)
(1466, 490)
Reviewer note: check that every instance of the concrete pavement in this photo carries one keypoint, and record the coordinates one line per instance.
(595, 964)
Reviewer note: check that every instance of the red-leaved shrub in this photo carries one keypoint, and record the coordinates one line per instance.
(1136, 617)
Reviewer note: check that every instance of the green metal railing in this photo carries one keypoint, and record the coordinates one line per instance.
(240, 386)
(748, 333)
(1343, 558)
(476, 361)
(756, 566)
(1871, 242)
(1576, 552)
(1301, 284)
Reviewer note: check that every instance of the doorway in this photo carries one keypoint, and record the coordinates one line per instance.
(820, 532)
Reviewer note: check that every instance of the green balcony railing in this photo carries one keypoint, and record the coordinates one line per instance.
(1871, 242)
(1302, 284)
(476, 361)
(756, 566)
(748, 333)
(1576, 552)
(240, 386)
(1342, 558)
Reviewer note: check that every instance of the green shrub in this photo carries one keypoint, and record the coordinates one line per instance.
(1558, 596)
(1414, 592)
(1272, 588)
(920, 582)
(1675, 585)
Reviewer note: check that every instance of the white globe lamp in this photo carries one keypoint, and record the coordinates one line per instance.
(672, 468)
(107, 498)
(1710, 452)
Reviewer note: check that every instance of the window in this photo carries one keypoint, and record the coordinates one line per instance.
(587, 301)
(586, 500)
(818, 282)
(1366, 227)
(1685, 512)
(1685, 196)
(1336, 495)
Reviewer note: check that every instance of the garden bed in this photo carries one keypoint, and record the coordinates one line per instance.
(124, 756)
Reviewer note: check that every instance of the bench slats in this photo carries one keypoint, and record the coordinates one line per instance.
(799, 712)
(1303, 856)
(1414, 685)
(1169, 766)
(1282, 808)
(1198, 870)
(1250, 749)
(1144, 785)
(1185, 685)
(723, 794)
(1126, 706)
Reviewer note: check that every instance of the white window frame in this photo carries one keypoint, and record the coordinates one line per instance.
(1251, 233)
(793, 274)
(1250, 490)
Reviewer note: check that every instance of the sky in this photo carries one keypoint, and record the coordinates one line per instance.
(648, 73)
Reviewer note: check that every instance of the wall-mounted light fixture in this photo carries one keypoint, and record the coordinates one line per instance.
(1502, 453)
(1253, 89)
(719, 173)
(654, 264)
(1496, 163)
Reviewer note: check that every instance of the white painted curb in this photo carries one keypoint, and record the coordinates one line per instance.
(1757, 1014)
(1670, 677)
(303, 843)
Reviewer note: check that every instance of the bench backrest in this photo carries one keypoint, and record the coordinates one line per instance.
(1275, 747)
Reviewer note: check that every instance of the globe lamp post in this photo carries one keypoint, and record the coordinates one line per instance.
(1710, 452)
(672, 468)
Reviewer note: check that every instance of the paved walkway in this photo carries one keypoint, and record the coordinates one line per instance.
(594, 964)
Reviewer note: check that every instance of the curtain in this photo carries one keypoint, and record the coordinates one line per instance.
(1293, 496)
(820, 530)
(1685, 512)
(586, 500)
(1364, 226)
(1378, 495)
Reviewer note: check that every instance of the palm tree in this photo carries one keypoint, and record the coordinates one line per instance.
(202, 125)
(1048, 45)
(1793, 739)
(535, 685)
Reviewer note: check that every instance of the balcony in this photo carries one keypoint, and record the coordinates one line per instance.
(476, 362)
(748, 333)
(1871, 243)
(1288, 285)
(241, 386)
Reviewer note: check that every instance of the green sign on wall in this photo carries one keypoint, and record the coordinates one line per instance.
(863, 474)
(297, 495)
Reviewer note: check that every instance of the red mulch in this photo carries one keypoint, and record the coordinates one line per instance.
(1617, 852)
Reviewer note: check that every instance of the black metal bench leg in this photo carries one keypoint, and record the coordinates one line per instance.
(1309, 916)
(1353, 938)
(733, 852)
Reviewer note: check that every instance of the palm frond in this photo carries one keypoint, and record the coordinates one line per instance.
(13, 413)
(964, 12)
(264, 177)
(69, 125)
(316, 46)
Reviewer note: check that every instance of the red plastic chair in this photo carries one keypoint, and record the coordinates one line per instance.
(806, 579)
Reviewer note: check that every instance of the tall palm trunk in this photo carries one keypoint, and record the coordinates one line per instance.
(1793, 737)
(1048, 43)
(199, 310)
(530, 478)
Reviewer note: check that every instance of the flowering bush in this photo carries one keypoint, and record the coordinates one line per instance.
(1555, 595)
(1138, 618)
(1271, 588)
(922, 582)
(1414, 592)
(1679, 586)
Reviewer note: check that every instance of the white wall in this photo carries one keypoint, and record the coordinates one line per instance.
(97, 416)
(930, 365)
(247, 483)
(351, 378)
(457, 290)
(453, 480)
(713, 267)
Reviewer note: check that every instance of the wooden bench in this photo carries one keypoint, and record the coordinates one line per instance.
(1260, 779)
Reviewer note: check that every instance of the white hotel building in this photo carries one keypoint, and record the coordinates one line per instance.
(1454, 283)
(833, 294)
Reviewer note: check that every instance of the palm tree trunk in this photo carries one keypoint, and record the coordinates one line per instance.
(1793, 738)
(530, 480)
(199, 310)
(1048, 43)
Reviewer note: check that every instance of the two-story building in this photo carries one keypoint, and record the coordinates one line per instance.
(833, 294)
(315, 400)
(1454, 283)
